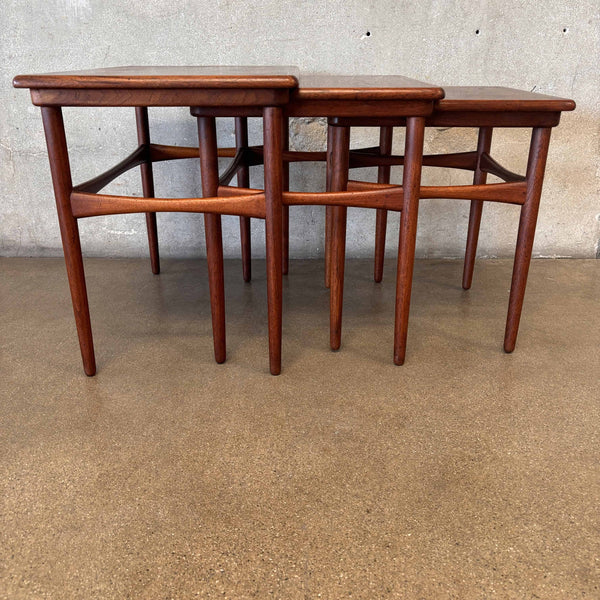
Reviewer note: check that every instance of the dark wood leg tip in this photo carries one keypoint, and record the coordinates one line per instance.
(399, 360)
(156, 270)
(509, 347)
(275, 369)
(246, 270)
(378, 277)
(90, 371)
(466, 285)
(220, 354)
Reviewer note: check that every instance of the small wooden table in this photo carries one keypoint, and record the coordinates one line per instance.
(347, 100)
(263, 89)
(355, 98)
(485, 108)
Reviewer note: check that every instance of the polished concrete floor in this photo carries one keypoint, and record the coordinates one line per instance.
(466, 473)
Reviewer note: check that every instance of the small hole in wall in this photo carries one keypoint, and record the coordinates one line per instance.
(477, 32)
(368, 34)
(565, 30)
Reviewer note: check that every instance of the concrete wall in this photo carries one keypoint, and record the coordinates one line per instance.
(549, 46)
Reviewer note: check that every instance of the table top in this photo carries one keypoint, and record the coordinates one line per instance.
(320, 86)
(164, 77)
(482, 98)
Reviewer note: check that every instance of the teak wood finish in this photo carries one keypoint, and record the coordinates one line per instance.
(143, 133)
(243, 180)
(262, 89)
(352, 97)
(274, 95)
(486, 107)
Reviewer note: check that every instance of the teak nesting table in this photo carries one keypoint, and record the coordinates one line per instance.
(228, 88)
(275, 94)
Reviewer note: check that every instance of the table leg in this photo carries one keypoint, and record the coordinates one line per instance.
(538, 153)
(209, 164)
(143, 135)
(383, 176)
(338, 182)
(411, 181)
(328, 209)
(286, 187)
(243, 180)
(484, 144)
(272, 132)
(69, 231)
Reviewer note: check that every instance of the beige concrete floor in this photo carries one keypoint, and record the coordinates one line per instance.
(466, 473)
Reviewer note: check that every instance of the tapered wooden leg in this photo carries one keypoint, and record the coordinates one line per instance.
(484, 144)
(286, 209)
(380, 232)
(383, 176)
(328, 209)
(243, 180)
(152, 229)
(336, 287)
(328, 241)
(273, 125)
(538, 153)
(143, 135)
(63, 185)
(411, 181)
(209, 164)
(339, 182)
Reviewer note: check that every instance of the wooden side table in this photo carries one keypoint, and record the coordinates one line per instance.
(265, 89)
(353, 98)
(346, 100)
(485, 108)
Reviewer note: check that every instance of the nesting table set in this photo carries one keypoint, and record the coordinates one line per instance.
(275, 94)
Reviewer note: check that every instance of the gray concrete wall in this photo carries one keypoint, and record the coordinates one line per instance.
(550, 46)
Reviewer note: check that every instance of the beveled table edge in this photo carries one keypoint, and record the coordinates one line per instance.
(92, 80)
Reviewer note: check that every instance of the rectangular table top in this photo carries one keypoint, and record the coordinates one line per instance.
(320, 86)
(492, 98)
(164, 77)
